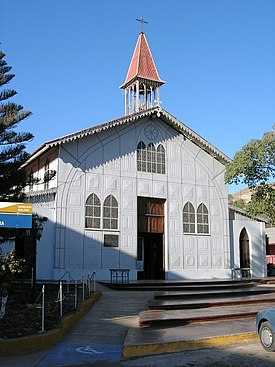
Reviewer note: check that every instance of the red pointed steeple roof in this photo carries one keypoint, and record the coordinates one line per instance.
(142, 64)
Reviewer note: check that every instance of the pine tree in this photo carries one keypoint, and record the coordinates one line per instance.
(12, 143)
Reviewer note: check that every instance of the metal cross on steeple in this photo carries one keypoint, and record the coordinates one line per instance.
(142, 22)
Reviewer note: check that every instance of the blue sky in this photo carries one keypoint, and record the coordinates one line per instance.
(216, 56)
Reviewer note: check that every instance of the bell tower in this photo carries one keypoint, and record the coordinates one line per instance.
(142, 83)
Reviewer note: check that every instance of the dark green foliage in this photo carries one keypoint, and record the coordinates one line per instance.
(12, 143)
(238, 203)
(254, 166)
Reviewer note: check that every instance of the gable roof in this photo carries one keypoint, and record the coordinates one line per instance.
(243, 212)
(157, 112)
(142, 64)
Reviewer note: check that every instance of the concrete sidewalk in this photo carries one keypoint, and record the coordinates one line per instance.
(99, 335)
(111, 328)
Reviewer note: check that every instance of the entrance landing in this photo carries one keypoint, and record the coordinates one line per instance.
(198, 315)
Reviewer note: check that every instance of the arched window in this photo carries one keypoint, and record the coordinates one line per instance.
(141, 156)
(160, 159)
(202, 219)
(244, 252)
(189, 218)
(46, 174)
(110, 213)
(92, 212)
(150, 159)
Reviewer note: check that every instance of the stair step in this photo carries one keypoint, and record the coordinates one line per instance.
(217, 293)
(183, 317)
(153, 285)
(174, 304)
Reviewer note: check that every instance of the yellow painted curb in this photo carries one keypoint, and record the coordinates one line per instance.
(34, 343)
(178, 346)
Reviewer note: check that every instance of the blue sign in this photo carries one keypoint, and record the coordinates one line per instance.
(15, 220)
(68, 354)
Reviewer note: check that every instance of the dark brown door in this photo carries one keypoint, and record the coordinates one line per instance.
(151, 215)
(244, 250)
(151, 230)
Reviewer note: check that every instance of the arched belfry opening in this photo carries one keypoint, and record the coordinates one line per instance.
(142, 83)
(244, 251)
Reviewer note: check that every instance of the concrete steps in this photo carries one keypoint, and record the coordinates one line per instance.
(174, 304)
(186, 302)
(188, 316)
(218, 292)
(204, 302)
(182, 285)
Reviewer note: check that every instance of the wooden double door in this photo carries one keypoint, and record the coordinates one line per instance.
(150, 254)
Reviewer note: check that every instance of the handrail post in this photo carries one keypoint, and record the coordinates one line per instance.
(61, 299)
(43, 310)
(94, 284)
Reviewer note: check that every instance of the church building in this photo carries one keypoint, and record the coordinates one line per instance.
(142, 192)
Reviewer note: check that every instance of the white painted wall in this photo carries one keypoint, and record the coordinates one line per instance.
(106, 164)
(45, 246)
(256, 234)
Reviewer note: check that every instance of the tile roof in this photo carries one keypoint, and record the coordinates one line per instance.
(142, 64)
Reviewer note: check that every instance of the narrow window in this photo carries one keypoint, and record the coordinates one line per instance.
(188, 218)
(31, 180)
(110, 213)
(160, 159)
(46, 175)
(92, 212)
(151, 158)
(141, 156)
(144, 159)
(202, 219)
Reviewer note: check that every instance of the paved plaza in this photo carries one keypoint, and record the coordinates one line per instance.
(98, 340)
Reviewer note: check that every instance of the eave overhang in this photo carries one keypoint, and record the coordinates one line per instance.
(156, 112)
(156, 83)
(243, 212)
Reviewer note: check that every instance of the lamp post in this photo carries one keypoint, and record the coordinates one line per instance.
(36, 234)
(39, 231)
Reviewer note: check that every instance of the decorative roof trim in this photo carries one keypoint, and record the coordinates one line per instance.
(157, 111)
(42, 192)
(194, 137)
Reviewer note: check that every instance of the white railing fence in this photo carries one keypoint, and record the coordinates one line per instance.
(69, 293)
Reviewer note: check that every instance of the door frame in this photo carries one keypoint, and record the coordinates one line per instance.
(151, 233)
(244, 253)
